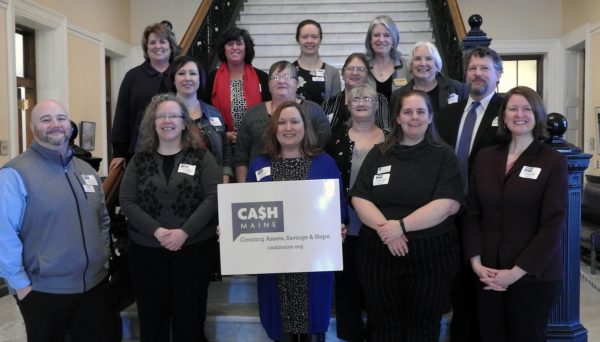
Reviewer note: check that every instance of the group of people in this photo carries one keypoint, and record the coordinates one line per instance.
(468, 215)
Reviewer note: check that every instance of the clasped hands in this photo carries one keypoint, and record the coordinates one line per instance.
(392, 236)
(171, 239)
(494, 279)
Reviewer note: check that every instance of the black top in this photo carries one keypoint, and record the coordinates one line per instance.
(418, 175)
(311, 83)
(385, 87)
(139, 85)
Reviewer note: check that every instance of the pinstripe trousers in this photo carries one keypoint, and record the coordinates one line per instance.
(406, 296)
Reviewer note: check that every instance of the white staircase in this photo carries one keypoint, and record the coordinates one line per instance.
(272, 25)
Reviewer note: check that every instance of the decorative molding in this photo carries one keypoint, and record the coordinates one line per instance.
(11, 76)
(37, 15)
(4, 4)
(595, 28)
(523, 46)
(115, 47)
(575, 37)
(84, 34)
(550, 48)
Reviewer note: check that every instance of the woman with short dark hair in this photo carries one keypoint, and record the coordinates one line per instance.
(235, 85)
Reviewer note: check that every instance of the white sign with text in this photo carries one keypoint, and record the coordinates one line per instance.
(280, 227)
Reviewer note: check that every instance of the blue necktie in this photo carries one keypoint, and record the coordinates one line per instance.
(464, 144)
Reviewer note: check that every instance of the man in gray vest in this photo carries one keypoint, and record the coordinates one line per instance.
(54, 236)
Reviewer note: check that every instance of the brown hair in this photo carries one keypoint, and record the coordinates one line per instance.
(539, 113)
(431, 134)
(163, 32)
(308, 143)
(148, 142)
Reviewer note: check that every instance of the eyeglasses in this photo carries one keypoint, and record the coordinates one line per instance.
(171, 116)
(483, 68)
(362, 99)
(281, 77)
(356, 69)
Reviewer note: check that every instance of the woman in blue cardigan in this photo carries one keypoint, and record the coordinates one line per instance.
(294, 306)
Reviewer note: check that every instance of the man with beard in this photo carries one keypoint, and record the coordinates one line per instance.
(54, 236)
(469, 126)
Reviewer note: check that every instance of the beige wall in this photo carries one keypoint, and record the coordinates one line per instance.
(579, 12)
(89, 23)
(146, 12)
(575, 15)
(516, 19)
(4, 129)
(112, 17)
(85, 85)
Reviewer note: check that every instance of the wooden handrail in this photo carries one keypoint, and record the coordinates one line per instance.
(192, 30)
(111, 183)
(459, 24)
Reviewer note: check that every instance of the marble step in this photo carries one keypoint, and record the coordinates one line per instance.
(320, 2)
(325, 18)
(232, 314)
(300, 7)
(330, 28)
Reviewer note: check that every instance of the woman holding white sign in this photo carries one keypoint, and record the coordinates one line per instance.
(169, 195)
(294, 306)
(406, 194)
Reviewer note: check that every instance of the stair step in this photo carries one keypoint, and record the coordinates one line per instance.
(319, 2)
(232, 314)
(330, 28)
(300, 7)
(335, 39)
(272, 24)
(324, 18)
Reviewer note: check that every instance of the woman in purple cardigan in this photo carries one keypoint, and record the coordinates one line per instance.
(515, 221)
(294, 306)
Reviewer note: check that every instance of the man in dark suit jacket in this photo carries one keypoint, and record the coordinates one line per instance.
(482, 75)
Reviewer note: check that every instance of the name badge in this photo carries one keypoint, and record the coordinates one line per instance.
(530, 172)
(88, 188)
(89, 179)
(320, 72)
(330, 117)
(452, 98)
(384, 169)
(318, 79)
(399, 82)
(262, 173)
(495, 122)
(215, 121)
(381, 179)
(187, 169)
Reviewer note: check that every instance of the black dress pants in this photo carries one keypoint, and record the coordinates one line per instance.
(88, 317)
(518, 315)
(406, 296)
(171, 290)
(349, 303)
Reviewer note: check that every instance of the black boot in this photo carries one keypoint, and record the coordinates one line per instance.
(287, 337)
(319, 337)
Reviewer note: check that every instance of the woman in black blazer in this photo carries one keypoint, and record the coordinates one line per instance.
(515, 221)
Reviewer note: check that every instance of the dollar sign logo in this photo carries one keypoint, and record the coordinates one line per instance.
(262, 213)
